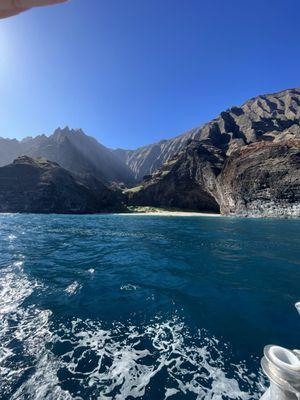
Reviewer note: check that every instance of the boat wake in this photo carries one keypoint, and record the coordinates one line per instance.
(44, 358)
(124, 362)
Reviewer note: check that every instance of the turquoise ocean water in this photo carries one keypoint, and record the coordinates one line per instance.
(149, 307)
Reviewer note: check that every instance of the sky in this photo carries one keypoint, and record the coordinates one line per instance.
(132, 72)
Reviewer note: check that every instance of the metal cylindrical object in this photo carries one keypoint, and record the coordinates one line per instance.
(282, 367)
(275, 393)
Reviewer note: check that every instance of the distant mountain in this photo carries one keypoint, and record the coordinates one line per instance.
(267, 117)
(40, 186)
(73, 150)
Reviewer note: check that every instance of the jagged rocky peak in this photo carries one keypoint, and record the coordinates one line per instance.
(61, 134)
(36, 139)
(284, 104)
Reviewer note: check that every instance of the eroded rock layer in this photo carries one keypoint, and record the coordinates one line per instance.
(262, 179)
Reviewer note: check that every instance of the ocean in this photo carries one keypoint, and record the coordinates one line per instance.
(144, 307)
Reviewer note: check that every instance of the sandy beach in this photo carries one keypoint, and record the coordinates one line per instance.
(173, 214)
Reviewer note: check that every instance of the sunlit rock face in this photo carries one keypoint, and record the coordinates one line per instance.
(262, 179)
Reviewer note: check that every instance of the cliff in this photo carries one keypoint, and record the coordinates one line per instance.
(262, 179)
(244, 162)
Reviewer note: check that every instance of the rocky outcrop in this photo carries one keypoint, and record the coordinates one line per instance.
(40, 186)
(73, 150)
(262, 179)
(267, 117)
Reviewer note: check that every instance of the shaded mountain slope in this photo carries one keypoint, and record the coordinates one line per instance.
(41, 186)
(73, 150)
(186, 181)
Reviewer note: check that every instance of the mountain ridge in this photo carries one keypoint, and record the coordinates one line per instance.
(246, 123)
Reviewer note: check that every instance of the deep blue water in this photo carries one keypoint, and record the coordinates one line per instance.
(151, 307)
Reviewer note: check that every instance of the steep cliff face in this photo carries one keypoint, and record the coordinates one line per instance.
(41, 186)
(187, 181)
(268, 117)
(262, 179)
(73, 150)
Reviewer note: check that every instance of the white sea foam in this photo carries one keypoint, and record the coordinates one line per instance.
(126, 365)
(129, 287)
(13, 289)
(116, 363)
(24, 335)
(171, 392)
(73, 288)
(11, 237)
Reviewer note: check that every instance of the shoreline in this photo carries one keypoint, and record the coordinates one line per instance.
(172, 214)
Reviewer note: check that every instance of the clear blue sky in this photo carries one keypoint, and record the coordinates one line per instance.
(130, 72)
